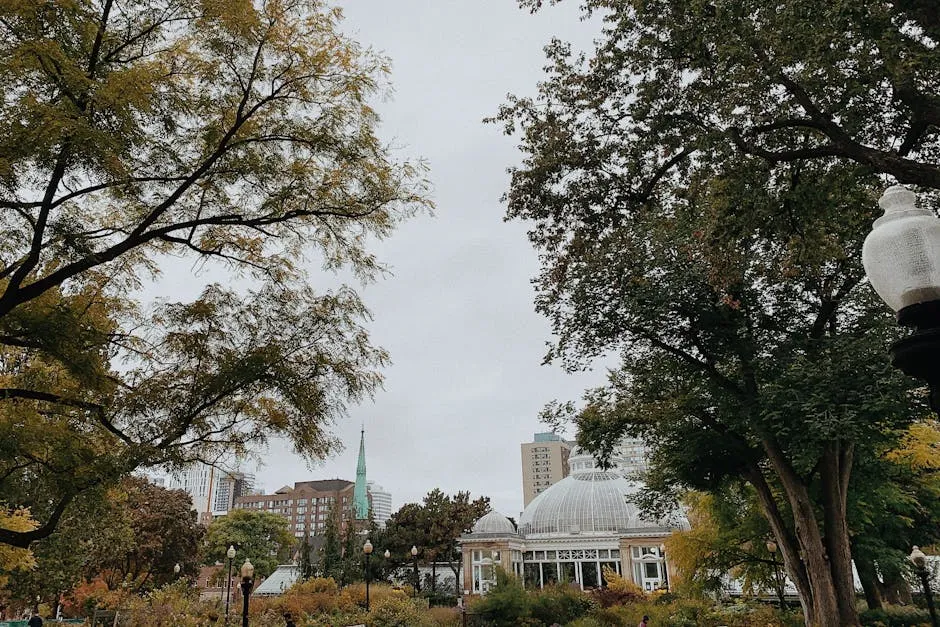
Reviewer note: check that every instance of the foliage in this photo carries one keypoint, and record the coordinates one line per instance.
(433, 526)
(237, 134)
(506, 603)
(11, 558)
(128, 537)
(728, 535)
(395, 610)
(560, 604)
(895, 616)
(729, 282)
(262, 537)
(618, 591)
(331, 551)
(896, 506)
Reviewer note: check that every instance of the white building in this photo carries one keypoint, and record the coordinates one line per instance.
(213, 491)
(631, 457)
(572, 532)
(381, 503)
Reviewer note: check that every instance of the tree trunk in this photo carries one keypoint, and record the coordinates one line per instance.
(896, 589)
(831, 591)
(868, 576)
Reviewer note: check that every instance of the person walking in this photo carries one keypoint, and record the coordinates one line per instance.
(290, 620)
(644, 622)
(35, 620)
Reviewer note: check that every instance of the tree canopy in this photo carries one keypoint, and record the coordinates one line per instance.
(262, 537)
(230, 133)
(696, 214)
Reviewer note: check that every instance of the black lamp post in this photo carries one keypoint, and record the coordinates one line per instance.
(230, 554)
(920, 566)
(414, 556)
(772, 549)
(248, 582)
(901, 256)
(367, 549)
(176, 570)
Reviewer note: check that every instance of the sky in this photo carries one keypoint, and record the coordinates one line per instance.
(466, 381)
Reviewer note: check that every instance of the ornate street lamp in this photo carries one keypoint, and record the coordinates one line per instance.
(772, 549)
(367, 549)
(920, 566)
(414, 556)
(230, 554)
(248, 582)
(662, 556)
(901, 256)
(176, 570)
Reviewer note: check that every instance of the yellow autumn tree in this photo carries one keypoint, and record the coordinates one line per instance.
(14, 558)
(233, 132)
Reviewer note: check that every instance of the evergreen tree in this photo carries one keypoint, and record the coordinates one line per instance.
(331, 552)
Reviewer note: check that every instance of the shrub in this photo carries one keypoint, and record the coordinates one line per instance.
(505, 605)
(559, 604)
(895, 616)
(395, 611)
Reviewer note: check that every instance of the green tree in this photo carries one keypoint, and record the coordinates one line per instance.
(262, 537)
(698, 196)
(129, 536)
(434, 526)
(331, 552)
(306, 558)
(234, 133)
(750, 347)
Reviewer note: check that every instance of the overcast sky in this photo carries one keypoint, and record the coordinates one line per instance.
(466, 385)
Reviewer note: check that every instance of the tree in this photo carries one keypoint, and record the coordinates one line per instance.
(128, 537)
(750, 347)
(727, 273)
(306, 561)
(234, 133)
(434, 527)
(675, 84)
(14, 559)
(262, 537)
(331, 552)
(728, 536)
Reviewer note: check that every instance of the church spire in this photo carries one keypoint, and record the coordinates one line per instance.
(360, 497)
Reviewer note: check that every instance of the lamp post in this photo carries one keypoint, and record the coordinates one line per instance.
(248, 580)
(230, 554)
(772, 549)
(901, 256)
(176, 571)
(920, 565)
(414, 556)
(367, 549)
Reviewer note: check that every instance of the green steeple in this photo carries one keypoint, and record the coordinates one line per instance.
(360, 498)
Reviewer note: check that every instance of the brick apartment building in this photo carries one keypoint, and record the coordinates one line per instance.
(307, 505)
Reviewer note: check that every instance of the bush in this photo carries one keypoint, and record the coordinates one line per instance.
(395, 611)
(559, 604)
(895, 616)
(505, 605)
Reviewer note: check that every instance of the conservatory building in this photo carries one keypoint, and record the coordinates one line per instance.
(572, 532)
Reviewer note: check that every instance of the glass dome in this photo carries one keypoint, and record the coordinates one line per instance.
(494, 522)
(902, 253)
(588, 501)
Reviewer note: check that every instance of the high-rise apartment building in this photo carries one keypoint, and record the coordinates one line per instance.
(544, 463)
(212, 490)
(381, 502)
(631, 457)
(307, 505)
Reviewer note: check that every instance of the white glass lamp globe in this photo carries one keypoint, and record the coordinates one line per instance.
(367, 547)
(231, 552)
(918, 557)
(387, 554)
(248, 569)
(414, 551)
(901, 255)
